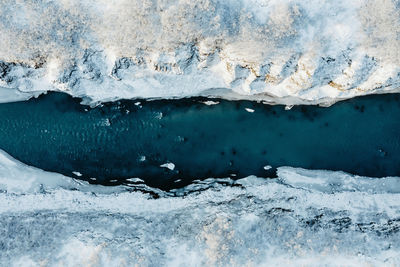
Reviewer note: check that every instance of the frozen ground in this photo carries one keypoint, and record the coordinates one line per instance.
(309, 218)
(289, 51)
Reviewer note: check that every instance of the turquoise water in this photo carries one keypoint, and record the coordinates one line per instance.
(125, 139)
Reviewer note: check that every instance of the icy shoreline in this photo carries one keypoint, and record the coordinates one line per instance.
(303, 217)
(17, 178)
(20, 82)
(286, 52)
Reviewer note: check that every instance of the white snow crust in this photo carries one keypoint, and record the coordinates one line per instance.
(289, 52)
(304, 217)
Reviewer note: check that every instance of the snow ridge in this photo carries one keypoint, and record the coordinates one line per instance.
(303, 217)
(288, 51)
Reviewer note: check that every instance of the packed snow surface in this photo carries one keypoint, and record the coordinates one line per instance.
(303, 217)
(290, 51)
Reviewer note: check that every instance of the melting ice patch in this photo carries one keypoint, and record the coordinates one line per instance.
(169, 165)
(301, 218)
(288, 51)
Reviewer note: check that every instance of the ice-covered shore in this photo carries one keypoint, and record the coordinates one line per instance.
(290, 51)
(312, 218)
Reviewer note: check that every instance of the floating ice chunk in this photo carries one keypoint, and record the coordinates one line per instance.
(137, 104)
(268, 167)
(142, 158)
(135, 180)
(249, 110)
(288, 107)
(210, 102)
(158, 115)
(105, 122)
(77, 174)
(168, 165)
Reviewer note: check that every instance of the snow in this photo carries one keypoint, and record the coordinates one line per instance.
(17, 178)
(304, 217)
(287, 52)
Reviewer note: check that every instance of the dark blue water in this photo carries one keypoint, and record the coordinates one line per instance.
(123, 140)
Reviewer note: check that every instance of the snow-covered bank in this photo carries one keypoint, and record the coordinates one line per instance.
(304, 217)
(288, 51)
